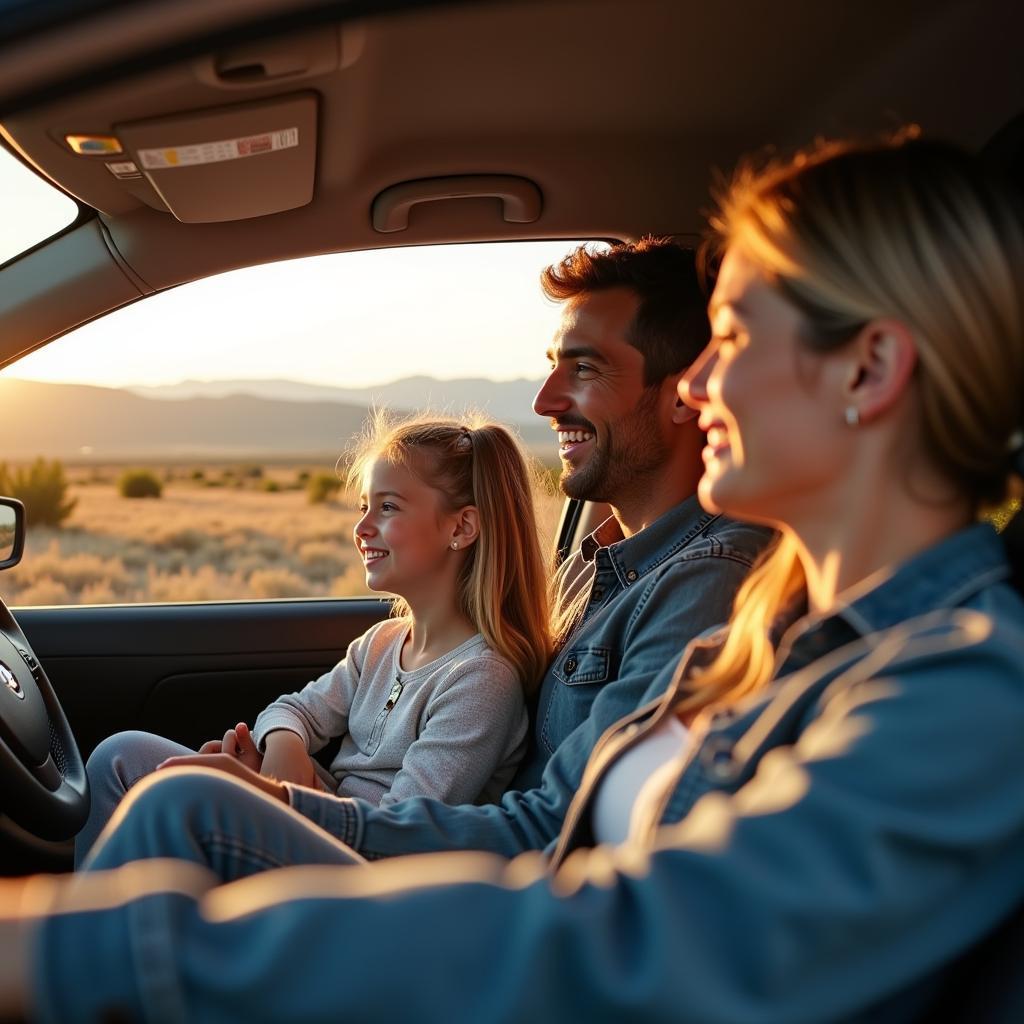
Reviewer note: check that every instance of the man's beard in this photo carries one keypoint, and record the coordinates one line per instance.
(616, 467)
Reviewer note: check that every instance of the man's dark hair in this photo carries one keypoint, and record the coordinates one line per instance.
(670, 328)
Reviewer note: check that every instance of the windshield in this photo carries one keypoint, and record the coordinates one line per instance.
(30, 209)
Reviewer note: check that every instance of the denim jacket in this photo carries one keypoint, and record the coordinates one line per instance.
(827, 847)
(649, 595)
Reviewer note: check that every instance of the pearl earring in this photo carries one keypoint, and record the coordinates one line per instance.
(455, 545)
(852, 416)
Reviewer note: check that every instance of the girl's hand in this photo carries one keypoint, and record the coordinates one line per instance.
(230, 766)
(287, 759)
(237, 743)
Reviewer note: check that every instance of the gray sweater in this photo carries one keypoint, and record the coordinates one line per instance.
(453, 730)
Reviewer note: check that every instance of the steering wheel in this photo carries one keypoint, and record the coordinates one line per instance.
(43, 785)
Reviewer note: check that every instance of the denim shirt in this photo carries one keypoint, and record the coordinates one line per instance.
(827, 849)
(649, 595)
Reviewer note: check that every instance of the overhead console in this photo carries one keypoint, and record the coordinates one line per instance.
(229, 136)
(228, 163)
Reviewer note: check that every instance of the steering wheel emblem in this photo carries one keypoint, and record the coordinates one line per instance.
(11, 682)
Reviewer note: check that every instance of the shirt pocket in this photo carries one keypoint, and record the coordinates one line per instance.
(580, 673)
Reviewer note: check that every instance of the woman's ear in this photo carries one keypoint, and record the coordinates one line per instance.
(467, 526)
(884, 355)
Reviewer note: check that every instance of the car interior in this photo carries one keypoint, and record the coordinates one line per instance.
(205, 136)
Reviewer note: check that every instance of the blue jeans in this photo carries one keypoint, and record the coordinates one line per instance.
(114, 767)
(212, 819)
(118, 764)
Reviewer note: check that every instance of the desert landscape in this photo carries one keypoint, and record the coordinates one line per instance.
(244, 499)
(218, 532)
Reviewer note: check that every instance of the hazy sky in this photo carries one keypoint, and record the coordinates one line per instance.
(353, 319)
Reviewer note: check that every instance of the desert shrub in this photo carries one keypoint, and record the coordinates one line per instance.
(324, 561)
(43, 591)
(139, 483)
(205, 584)
(81, 570)
(198, 474)
(271, 486)
(278, 583)
(97, 593)
(340, 534)
(136, 556)
(321, 487)
(43, 488)
(268, 549)
(253, 472)
(351, 583)
(185, 538)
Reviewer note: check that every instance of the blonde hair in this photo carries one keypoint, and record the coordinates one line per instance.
(501, 585)
(850, 232)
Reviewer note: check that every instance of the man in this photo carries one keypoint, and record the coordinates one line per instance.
(658, 572)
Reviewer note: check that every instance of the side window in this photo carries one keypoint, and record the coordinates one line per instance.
(185, 448)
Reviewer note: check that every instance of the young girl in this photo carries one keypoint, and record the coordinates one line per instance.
(430, 702)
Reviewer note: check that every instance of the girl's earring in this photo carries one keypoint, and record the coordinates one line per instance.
(455, 545)
(852, 416)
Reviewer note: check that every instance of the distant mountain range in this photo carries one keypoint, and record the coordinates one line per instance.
(508, 401)
(234, 419)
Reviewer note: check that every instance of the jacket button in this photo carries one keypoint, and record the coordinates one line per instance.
(632, 575)
(570, 666)
(719, 761)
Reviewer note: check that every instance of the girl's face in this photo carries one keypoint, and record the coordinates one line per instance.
(772, 410)
(403, 535)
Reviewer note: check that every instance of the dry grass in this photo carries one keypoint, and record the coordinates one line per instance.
(197, 543)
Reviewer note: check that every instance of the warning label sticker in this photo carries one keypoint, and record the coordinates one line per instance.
(217, 152)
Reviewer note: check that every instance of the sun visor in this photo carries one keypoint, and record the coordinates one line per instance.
(229, 163)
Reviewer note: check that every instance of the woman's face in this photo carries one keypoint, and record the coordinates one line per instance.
(772, 410)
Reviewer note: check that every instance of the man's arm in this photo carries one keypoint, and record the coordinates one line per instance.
(683, 601)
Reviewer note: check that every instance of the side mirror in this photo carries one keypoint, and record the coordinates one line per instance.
(12, 532)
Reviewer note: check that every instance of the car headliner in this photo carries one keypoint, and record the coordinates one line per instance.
(619, 112)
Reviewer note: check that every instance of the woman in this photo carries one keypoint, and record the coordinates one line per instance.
(826, 808)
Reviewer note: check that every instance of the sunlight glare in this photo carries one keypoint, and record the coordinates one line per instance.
(349, 319)
(31, 210)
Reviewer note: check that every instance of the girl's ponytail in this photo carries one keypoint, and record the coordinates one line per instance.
(506, 589)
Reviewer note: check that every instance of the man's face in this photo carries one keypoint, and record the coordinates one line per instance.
(609, 433)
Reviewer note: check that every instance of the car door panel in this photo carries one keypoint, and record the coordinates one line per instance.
(187, 671)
